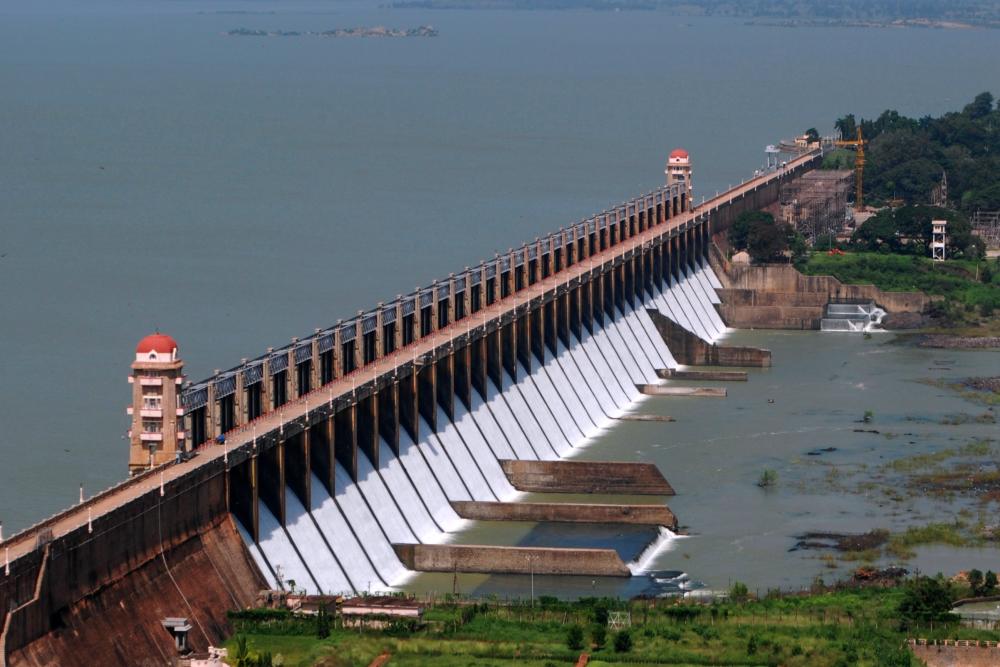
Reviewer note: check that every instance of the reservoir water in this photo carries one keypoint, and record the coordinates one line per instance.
(238, 191)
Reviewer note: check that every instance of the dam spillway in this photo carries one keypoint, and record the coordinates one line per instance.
(346, 447)
(407, 499)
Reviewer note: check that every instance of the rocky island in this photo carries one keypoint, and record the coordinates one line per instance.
(362, 31)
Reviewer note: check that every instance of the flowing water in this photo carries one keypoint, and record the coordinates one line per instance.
(158, 173)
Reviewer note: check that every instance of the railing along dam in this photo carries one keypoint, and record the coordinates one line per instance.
(362, 437)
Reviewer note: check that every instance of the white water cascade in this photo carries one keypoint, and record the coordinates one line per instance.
(852, 317)
(344, 543)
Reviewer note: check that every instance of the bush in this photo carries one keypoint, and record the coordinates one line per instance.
(623, 641)
(599, 636)
(926, 600)
(574, 638)
(767, 478)
(738, 592)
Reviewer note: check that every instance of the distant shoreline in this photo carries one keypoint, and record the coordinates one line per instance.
(362, 31)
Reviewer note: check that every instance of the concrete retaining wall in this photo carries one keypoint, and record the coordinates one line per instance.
(690, 350)
(954, 654)
(586, 477)
(511, 560)
(651, 515)
(91, 573)
(782, 278)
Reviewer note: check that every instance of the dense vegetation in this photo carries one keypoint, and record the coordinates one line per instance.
(856, 626)
(906, 157)
(971, 288)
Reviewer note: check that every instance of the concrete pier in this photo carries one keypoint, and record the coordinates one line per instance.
(690, 350)
(660, 390)
(587, 477)
(482, 559)
(724, 376)
(642, 515)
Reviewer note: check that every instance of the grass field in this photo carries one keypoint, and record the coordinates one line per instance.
(831, 628)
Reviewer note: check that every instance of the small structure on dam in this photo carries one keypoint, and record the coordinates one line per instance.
(157, 434)
(345, 460)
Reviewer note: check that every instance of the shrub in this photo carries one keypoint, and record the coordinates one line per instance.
(599, 636)
(767, 478)
(574, 638)
(738, 592)
(623, 641)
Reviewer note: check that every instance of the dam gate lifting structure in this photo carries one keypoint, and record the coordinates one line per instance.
(346, 449)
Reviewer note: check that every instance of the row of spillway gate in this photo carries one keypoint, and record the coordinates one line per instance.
(344, 542)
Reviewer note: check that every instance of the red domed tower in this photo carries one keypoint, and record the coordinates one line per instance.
(157, 432)
(679, 170)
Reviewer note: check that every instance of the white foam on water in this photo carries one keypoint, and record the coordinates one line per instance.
(664, 542)
(280, 552)
(532, 429)
(440, 465)
(458, 453)
(427, 485)
(373, 540)
(331, 522)
(314, 550)
(381, 502)
(507, 422)
(409, 501)
(258, 557)
(487, 463)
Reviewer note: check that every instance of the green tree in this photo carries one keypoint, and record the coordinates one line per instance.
(812, 135)
(989, 583)
(738, 592)
(322, 623)
(980, 107)
(768, 242)
(847, 126)
(739, 232)
(574, 638)
(926, 600)
(976, 582)
(623, 641)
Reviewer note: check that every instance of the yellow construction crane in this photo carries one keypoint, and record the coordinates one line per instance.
(859, 167)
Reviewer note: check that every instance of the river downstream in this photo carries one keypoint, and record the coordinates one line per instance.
(821, 385)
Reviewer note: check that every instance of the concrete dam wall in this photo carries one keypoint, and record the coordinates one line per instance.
(345, 541)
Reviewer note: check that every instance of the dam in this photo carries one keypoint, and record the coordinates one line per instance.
(343, 461)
